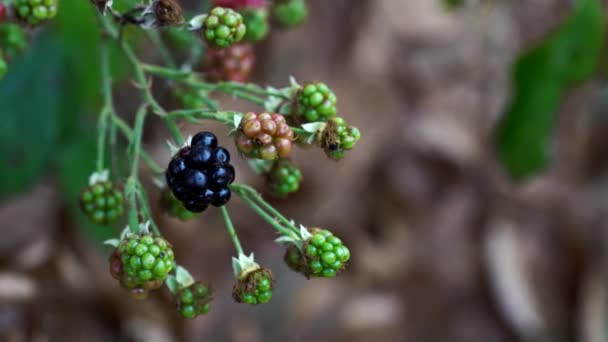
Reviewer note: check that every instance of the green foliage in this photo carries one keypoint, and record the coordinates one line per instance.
(541, 78)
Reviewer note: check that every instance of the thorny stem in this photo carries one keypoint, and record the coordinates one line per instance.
(102, 126)
(231, 231)
(275, 222)
(244, 190)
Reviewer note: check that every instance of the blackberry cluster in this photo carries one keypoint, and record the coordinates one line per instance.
(3, 11)
(234, 63)
(174, 207)
(35, 12)
(289, 13)
(255, 288)
(223, 27)
(13, 40)
(284, 178)
(338, 137)
(102, 202)
(194, 300)
(199, 174)
(142, 263)
(316, 102)
(323, 255)
(264, 136)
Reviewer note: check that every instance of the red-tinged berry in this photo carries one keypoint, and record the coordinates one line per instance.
(2, 11)
(199, 174)
(256, 21)
(323, 255)
(223, 27)
(338, 137)
(284, 178)
(174, 208)
(254, 288)
(145, 262)
(234, 63)
(193, 300)
(315, 102)
(264, 136)
(35, 12)
(102, 202)
(289, 13)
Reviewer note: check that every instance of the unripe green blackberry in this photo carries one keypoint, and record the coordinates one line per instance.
(3, 66)
(264, 136)
(193, 300)
(338, 137)
(254, 288)
(223, 27)
(174, 207)
(284, 178)
(323, 255)
(315, 102)
(102, 202)
(146, 261)
(13, 40)
(256, 21)
(189, 99)
(289, 13)
(35, 12)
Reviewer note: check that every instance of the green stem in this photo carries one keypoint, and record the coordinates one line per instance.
(175, 133)
(222, 116)
(137, 137)
(128, 134)
(102, 125)
(231, 231)
(271, 220)
(247, 192)
(162, 48)
(140, 78)
(145, 207)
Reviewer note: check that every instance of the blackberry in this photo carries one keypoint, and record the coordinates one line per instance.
(254, 288)
(223, 27)
(315, 102)
(338, 137)
(323, 255)
(2, 11)
(145, 262)
(102, 202)
(174, 207)
(35, 12)
(237, 4)
(264, 136)
(13, 40)
(199, 174)
(289, 13)
(284, 178)
(256, 21)
(3, 66)
(193, 300)
(234, 63)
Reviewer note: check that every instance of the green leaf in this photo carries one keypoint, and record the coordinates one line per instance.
(541, 77)
(30, 112)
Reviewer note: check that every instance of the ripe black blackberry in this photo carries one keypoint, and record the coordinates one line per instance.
(199, 174)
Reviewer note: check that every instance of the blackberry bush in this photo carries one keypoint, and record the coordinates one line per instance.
(199, 172)
(264, 136)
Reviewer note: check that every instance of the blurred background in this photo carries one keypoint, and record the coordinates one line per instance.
(475, 204)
